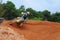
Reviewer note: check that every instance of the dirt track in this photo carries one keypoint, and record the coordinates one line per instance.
(37, 30)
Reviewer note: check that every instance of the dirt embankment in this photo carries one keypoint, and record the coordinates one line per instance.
(32, 30)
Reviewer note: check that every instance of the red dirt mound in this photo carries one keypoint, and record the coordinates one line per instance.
(37, 30)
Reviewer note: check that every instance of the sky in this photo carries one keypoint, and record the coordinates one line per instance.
(38, 5)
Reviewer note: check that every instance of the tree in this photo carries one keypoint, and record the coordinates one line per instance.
(1, 9)
(55, 17)
(46, 15)
(21, 9)
(40, 15)
(10, 10)
(34, 14)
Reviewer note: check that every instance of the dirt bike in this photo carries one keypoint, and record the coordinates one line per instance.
(18, 22)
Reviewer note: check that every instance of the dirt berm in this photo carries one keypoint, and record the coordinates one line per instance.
(30, 30)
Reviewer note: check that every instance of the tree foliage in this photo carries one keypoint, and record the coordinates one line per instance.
(21, 9)
(1, 10)
(33, 13)
(46, 15)
(55, 17)
(9, 11)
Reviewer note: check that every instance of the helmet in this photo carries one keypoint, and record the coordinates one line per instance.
(21, 12)
(28, 13)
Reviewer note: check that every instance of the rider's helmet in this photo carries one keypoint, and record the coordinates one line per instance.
(28, 13)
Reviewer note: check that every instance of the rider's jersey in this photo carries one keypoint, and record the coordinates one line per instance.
(24, 15)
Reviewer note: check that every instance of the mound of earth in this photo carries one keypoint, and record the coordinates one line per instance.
(30, 30)
(7, 33)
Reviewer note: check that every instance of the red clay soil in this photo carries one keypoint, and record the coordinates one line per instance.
(37, 30)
